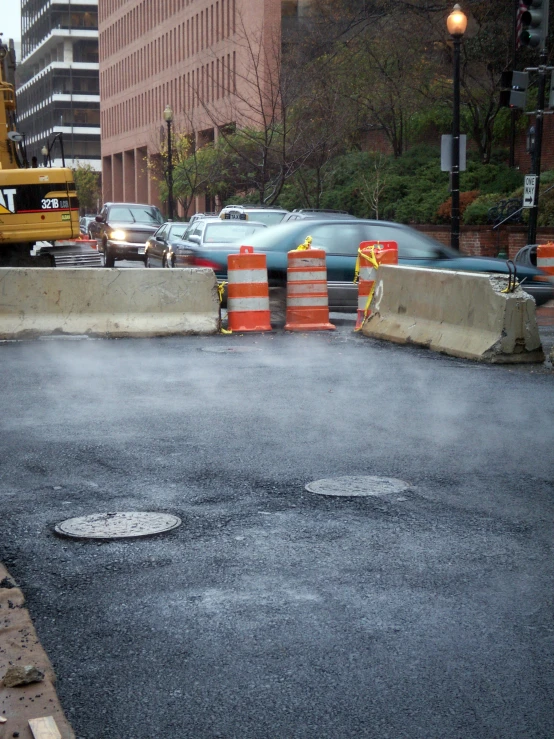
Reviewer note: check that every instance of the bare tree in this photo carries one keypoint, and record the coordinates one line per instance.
(196, 168)
(374, 185)
(272, 109)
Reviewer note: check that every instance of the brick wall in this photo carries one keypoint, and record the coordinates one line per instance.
(522, 159)
(482, 241)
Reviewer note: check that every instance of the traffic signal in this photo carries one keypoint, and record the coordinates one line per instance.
(534, 23)
(514, 89)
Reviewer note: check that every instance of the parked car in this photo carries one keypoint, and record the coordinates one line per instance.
(299, 214)
(260, 213)
(340, 238)
(215, 233)
(165, 248)
(84, 222)
(197, 216)
(121, 230)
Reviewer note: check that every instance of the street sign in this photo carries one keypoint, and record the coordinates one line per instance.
(446, 152)
(529, 188)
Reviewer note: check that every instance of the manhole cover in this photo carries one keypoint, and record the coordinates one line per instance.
(117, 525)
(357, 486)
(229, 349)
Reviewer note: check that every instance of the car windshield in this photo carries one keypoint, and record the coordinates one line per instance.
(177, 230)
(136, 215)
(230, 231)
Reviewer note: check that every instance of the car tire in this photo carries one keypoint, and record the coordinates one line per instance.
(109, 259)
(166, 264)
(147, 262)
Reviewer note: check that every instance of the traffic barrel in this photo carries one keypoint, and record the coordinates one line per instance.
(371, 255)
(247, 291)
(307, 297)
(545, 258)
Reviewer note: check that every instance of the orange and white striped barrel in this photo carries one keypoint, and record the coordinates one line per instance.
(307, 297)
(247, 291)
(370, 256)
(545, 258)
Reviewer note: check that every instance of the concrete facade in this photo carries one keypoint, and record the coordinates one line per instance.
(58, 93)
(198, 57)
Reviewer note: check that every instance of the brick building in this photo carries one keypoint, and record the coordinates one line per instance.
(195, 56)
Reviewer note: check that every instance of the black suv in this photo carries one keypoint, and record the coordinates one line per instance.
(122, 230)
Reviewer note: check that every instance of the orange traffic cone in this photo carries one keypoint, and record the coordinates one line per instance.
(545, 258)
(247, 291)
(307, 298)
(371, 254)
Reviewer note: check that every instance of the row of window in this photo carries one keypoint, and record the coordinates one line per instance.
(204, 85)
(163, 10)
(35, 30)
(62, 82)
(165, 52)
(207, 27)
(50, 117)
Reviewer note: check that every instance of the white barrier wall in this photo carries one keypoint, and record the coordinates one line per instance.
(107, 302)
(464, 314)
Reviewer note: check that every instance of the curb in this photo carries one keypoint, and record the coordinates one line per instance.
(19, 645)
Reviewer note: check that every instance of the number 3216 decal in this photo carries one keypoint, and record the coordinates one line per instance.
(54, 204)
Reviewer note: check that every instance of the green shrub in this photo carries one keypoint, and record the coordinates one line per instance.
(444, 212)
(476, 213)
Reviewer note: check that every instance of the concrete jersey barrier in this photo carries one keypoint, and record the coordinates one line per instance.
(107, 302)
(464, 314)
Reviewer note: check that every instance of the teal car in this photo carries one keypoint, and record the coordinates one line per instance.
(340, 239)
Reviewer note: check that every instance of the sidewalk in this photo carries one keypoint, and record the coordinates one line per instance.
(19, 645)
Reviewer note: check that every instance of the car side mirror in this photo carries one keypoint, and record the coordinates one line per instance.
(99, 219)
(195, 239)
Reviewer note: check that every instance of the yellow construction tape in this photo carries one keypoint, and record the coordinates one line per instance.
(306, 245)
(220, 292)
(371, 258)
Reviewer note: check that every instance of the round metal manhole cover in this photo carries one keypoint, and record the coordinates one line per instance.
(117, 525)
(229, 349)
(358, 486)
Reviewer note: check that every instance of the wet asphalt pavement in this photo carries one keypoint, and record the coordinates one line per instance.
(273, 612)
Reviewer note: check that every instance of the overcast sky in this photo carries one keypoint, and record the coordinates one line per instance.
(10, 25)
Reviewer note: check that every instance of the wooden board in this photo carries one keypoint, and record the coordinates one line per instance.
(44, 728)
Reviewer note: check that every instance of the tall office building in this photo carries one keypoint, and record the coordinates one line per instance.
(58, 96)
(211, 61)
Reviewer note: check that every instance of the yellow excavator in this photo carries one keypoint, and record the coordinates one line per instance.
(37, 204)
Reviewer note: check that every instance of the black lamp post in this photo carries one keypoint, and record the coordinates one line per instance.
(47, 149)
(168, 115)
(456, 24)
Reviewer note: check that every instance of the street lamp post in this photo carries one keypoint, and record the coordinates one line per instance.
(47, 149)
(456, 24)
(168, 115)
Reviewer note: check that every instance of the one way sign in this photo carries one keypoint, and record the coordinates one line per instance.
(529, 190)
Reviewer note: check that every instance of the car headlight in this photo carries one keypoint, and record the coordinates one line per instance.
(118, 235)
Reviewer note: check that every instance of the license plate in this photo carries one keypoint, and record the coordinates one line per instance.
(141, 249)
